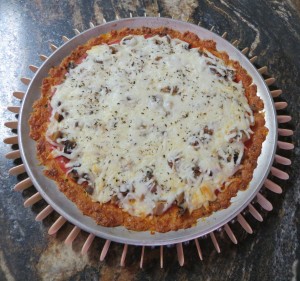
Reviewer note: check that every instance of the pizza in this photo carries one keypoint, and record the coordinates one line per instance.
(149, 128)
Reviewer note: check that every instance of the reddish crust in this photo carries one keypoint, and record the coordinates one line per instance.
(108, 214)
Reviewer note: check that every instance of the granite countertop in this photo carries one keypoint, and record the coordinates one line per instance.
(272, 31)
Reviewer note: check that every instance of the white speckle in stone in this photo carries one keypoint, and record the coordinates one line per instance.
(4, 268)
(180, 9)
(59, 262)
(98, 13)
(294, 270)
(257, 36)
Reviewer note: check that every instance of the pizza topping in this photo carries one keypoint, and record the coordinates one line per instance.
(150, 122)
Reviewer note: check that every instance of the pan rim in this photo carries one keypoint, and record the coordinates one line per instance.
(121, 234)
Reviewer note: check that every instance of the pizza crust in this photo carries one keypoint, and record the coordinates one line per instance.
(109, 214)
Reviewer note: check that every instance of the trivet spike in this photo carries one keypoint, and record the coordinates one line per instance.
(279, 174)
(280, 105)
(65, 38)
(276, 93)
(224, 35)
(25, 80)
(104, 20)
(33, 199)
(43, 57)
(53, 48)
(255, 213)
(145, 15)
(76, 31)
(72, 235)
(272, 186)
(22, 185)
(282, 160)
(263, 70)
(212, 28)
(161, 256)
(230, 233)
(215, 242)
(44, 213)
(124, 253)
(284, 118)
(285, 145)
(11, 124)
(13, 154)
(57, 225)
(11, 140)
(253, 59)
(198, 249)
(235, 43)
(33, 68)
(180, 254)
(19, 95)
(142, 257)
(87, 244)
(285, 132)
(14, 109)
(245, 50)
(263, 202)
(130, 14)
(91, 25)
(244, 224)
(17, 170)
(270, 81)
(105, 250)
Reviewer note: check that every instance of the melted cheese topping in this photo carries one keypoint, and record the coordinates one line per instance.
(147, 123)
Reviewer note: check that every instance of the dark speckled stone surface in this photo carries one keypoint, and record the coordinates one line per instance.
(272, 31)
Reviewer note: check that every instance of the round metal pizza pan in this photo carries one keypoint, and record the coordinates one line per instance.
(67, 209)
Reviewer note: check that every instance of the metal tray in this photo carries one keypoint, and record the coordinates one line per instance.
(67, 209)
